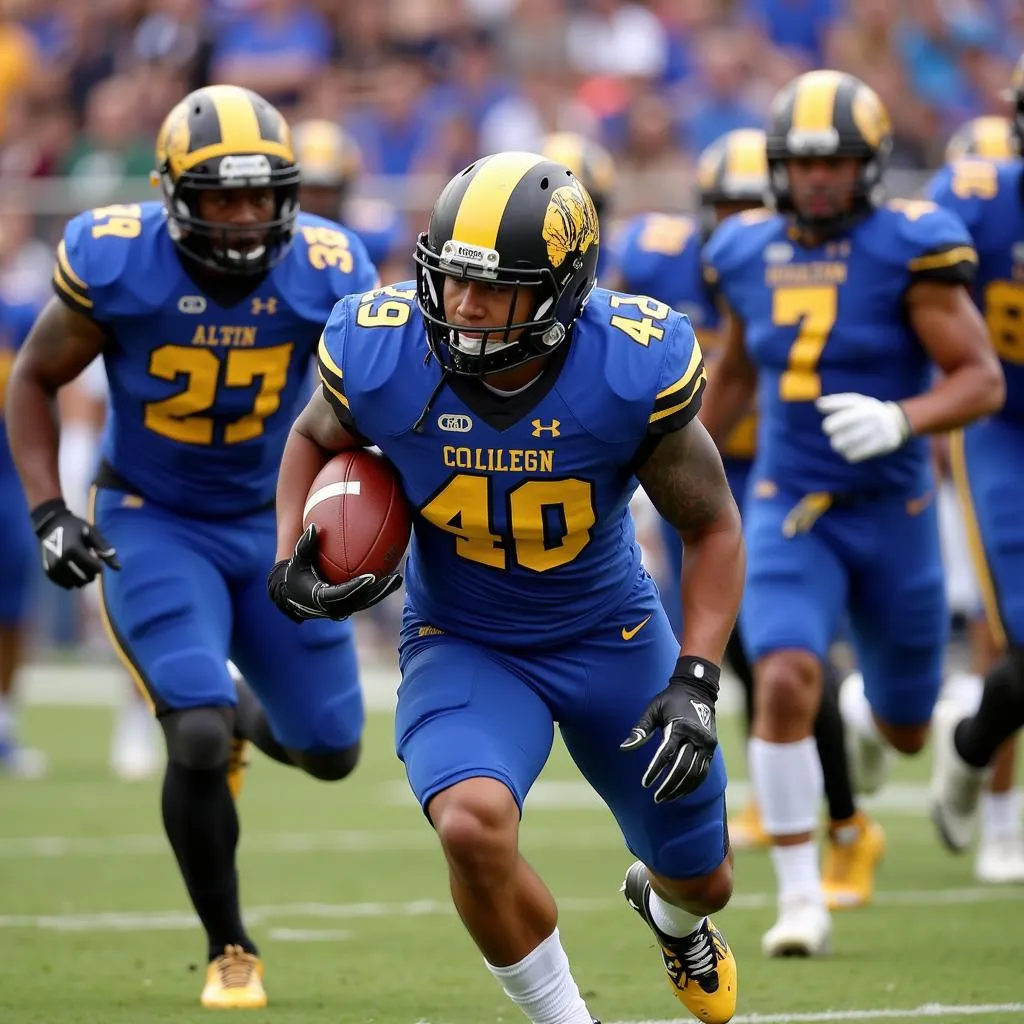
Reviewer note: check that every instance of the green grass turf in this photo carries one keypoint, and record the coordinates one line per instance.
(347, 896)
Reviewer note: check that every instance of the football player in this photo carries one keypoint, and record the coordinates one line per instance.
(660, 255)
(331, 164)
(519, 440)
(838, 303)
(206, 309)
(986, 458)
(18, 564)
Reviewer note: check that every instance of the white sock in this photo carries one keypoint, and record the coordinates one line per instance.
(1000, 815)
(542, 985)
(787, 783)
(670, 919)
(856, 711)
(796, 868)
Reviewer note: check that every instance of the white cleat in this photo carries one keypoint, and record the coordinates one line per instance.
(955, 786)
(804, 928)
(870, 757)
(1000, 861)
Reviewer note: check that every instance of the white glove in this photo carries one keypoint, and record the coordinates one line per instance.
(860, 427)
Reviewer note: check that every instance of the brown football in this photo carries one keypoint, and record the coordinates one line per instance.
(362, 518)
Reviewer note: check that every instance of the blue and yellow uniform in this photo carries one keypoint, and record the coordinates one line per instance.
(824, 535)
(526, 600)
(660, 255)
(19, 553)
(988, 456)
(202, 396)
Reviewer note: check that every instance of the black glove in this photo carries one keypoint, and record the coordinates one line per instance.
(296, 588)
(74, 551)
(685, 710)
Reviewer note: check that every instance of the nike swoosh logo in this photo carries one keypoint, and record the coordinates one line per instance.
(628, 634)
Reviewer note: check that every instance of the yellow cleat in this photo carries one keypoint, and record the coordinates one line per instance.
(234, 981)
(700, 966)
(855, 848)
(746, 831)
(238, 761)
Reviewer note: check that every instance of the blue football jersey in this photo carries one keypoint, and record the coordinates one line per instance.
(522, 533)
(989, 198)
(380, 228)
(831, 319)
(16, 321)
(202, 395)
(660, 255)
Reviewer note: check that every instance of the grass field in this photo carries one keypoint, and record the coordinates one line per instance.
(347, 896)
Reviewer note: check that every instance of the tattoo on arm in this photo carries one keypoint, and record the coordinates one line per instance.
(685, 480)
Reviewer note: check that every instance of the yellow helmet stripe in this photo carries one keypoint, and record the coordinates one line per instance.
(815, 101)
(239, 130)
(745, 156)
(483, 204)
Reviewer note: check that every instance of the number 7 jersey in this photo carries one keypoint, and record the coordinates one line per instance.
(832, 319)
(201, 395)
(523, 537)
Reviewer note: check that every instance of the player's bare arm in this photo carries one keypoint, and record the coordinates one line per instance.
(316, 435)
(61, 345)
(732, 381)
(685, 480)
(952, 332)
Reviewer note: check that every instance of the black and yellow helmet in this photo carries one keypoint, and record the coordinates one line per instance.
(587, 159)
(225, 137)
(513, 219)
(328, 155)
(990, 138)
(1015, 94)
(733, 170)
(828, 114)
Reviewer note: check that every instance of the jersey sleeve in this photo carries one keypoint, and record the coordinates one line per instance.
(330, 358)
(646, 243)
(933, 243)
(93, 255)
(330, 263)
(681, 382)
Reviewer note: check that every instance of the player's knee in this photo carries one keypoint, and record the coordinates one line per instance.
(327, 766)
(198, 738)
(477, 823)
(906, 739)
(787, 686)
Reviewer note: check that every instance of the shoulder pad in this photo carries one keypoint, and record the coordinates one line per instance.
(648, 246)
(362, 353)
(325, 263)
(650, 363)
(113, 261)
(925, 240)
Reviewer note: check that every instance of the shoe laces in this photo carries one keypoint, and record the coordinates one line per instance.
(235, 967)
(698, 956)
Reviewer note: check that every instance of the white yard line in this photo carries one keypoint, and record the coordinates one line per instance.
(174, 920)
(929, 1011)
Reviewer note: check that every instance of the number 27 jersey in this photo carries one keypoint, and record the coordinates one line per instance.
(201, 395)
(522, 536)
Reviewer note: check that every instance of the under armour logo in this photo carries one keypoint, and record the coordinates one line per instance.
(539, 428)
(703, 713)
(54, 544)
(268, 306)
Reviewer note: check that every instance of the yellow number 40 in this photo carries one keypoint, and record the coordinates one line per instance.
(813, 310)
